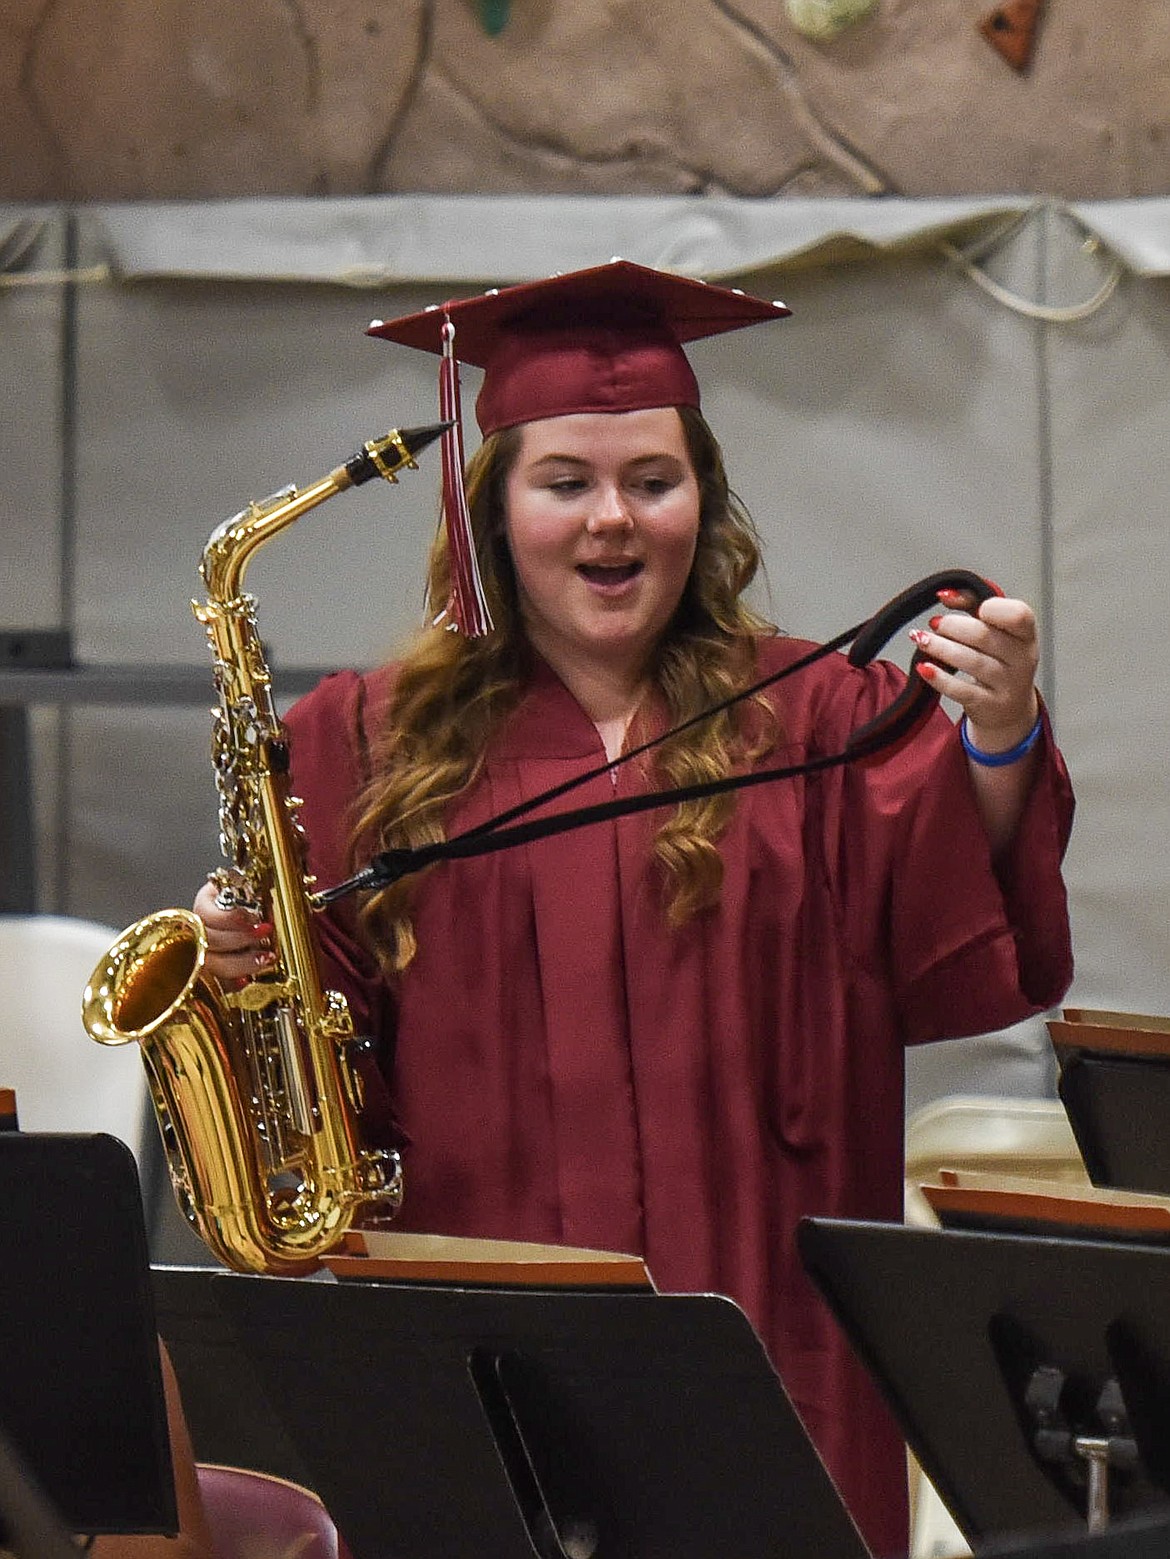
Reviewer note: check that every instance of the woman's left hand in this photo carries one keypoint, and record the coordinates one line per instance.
(987, 662)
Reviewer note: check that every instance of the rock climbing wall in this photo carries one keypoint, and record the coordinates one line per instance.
(147, 99)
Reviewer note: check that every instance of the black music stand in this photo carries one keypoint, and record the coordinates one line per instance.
(229, 1417)
(1141, 1537)
(81, 1389)
(459, 1422)
(1114, 1083)
(30, 1528)
(1118, 1107)
(1007, 1359)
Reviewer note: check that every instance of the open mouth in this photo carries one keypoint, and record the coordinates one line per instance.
(609, 573)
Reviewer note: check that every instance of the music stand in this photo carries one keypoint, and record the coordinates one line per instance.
(81, 1388)
(458, 1421)
(229, 1417)
(29, 1526)
(1118, 1108)
(1142, 1537)
(1114, 1083)
(997, 1352)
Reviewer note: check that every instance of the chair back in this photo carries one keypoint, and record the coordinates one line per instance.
(1023, 1138)
(62, 1079)
(255, 1515)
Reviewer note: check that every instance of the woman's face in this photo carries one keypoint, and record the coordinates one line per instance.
(602, 520)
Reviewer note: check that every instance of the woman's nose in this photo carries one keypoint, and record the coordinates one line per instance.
(610, 511)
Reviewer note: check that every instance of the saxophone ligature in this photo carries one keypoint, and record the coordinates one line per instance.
(256, 1090)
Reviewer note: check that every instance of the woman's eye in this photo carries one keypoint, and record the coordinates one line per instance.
(567, 485)
(655, 486)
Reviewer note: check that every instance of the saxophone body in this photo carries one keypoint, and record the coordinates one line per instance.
(256, 1090)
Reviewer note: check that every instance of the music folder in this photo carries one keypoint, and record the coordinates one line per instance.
(999, 1353)
(574, 1424)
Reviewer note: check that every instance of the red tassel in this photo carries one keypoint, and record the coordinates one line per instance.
(467, 608)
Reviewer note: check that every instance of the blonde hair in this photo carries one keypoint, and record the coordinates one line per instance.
(452, 693)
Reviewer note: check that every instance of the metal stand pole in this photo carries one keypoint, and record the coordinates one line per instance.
(1096, 1453)
(18, 873)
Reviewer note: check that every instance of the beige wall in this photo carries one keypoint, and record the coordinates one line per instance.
(141, 99)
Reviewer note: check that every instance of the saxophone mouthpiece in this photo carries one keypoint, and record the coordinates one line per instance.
(386, 456)
(415, 440)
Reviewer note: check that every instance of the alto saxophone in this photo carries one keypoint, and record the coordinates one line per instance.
(256, 1090)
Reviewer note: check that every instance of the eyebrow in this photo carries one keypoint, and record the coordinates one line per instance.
(554, 458)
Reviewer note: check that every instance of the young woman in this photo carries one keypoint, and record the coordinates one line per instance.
(677, 1032)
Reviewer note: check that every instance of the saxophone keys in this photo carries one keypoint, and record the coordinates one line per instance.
(259, 994)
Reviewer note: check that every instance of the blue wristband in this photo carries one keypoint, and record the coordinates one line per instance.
(1000, 760)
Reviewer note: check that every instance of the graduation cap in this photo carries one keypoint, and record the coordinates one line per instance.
(606, 339)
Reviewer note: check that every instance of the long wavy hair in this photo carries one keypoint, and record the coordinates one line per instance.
(451, 694)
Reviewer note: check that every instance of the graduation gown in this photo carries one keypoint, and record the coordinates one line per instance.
(563, 1066)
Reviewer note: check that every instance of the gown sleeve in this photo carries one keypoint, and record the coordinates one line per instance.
(969, 944)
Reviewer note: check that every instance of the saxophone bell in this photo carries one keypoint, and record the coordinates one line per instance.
(147, 975)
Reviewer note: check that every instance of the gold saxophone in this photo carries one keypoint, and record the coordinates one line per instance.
(256, 1090)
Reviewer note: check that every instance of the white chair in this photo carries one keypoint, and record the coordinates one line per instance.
(62, 1079)
(1029, 1138)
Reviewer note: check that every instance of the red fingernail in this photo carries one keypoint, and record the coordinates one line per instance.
(927, 670)
(917, 636)
(934, 622)
(951, 597)
(263, 928)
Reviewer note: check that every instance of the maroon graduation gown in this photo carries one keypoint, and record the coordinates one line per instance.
(565, 1067)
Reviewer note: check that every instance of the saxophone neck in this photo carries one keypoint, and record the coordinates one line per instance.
(231, 545)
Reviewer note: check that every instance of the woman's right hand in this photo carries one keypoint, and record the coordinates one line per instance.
(239, 946)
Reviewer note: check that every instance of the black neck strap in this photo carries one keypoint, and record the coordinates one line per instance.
(892, 726)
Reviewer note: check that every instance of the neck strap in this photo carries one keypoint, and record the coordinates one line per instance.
(880, 736)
